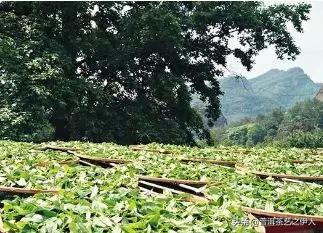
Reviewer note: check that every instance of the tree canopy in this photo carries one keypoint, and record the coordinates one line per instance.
(300, 126)
(125, 71)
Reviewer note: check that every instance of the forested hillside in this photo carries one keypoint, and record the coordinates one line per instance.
(240, 100)
(276, 88)
(299, 126)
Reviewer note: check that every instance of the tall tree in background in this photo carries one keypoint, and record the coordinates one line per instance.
(125, 71)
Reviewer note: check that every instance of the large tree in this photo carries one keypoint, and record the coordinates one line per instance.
(125, 71)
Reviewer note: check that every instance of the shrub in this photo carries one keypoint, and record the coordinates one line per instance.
(303, 140)
(23, 126)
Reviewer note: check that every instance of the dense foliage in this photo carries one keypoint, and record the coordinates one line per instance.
(303, 140)
(95, 199)
(125, 71)
(300, 126)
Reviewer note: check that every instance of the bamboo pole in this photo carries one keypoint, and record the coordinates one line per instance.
(296, 161)
(193, 189)
(88, 160)
(176, 181)
(80, 156)
(148, 192)
(64, 149)
(306, 161)
(278, 175)
(159, 187)
(86, 163)
(190, 198)
(25, 191)
(161, 151)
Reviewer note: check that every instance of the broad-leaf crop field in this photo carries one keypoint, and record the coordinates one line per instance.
(84, 196)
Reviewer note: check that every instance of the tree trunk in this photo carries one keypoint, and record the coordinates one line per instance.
(61, 129)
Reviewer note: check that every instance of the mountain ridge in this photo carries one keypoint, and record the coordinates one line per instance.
(247, 98)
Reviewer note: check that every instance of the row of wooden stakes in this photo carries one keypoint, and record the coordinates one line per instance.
(108, 162)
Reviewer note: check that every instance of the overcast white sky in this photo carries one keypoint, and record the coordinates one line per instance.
(310, 43)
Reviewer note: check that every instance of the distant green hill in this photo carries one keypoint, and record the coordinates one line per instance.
(276, 88)
(240, 100)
